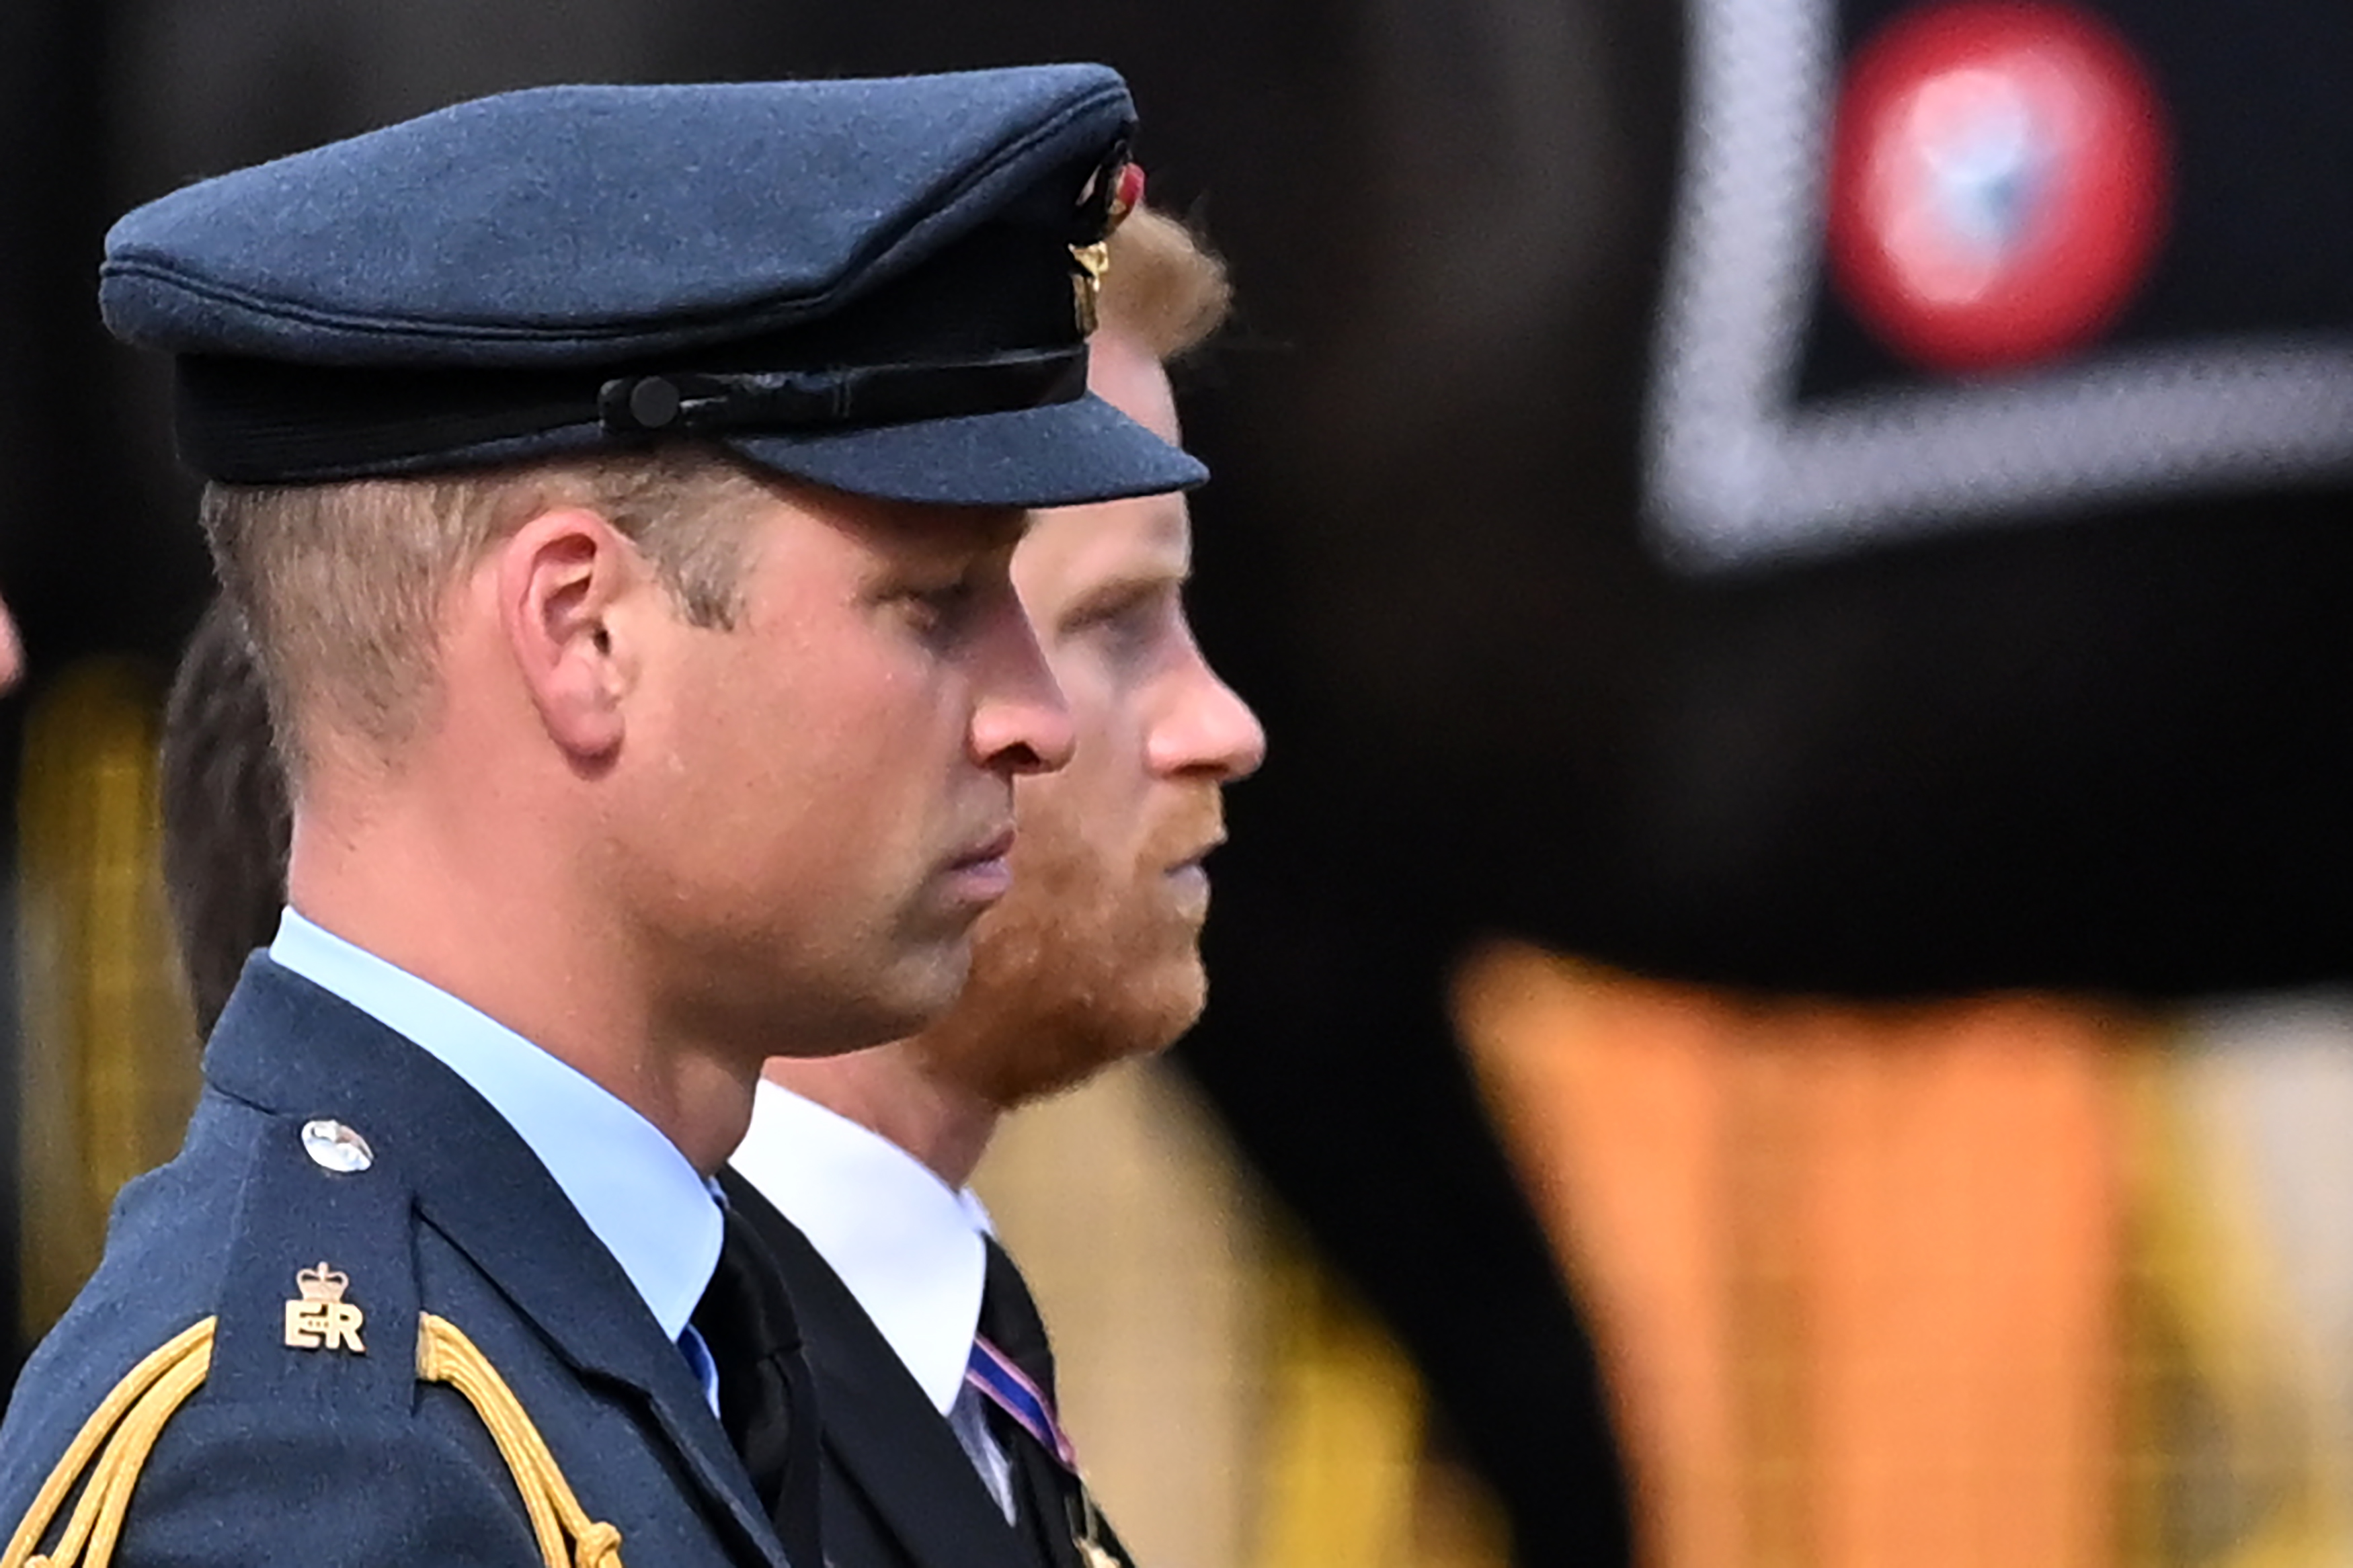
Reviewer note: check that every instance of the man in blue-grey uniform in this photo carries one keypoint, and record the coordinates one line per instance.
(617, 487)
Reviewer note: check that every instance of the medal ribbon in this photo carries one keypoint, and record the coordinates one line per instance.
(1007, 1387)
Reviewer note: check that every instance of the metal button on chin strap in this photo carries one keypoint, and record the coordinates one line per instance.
(654, 403)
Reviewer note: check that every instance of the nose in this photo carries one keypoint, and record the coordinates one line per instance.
(1209, 732)
(1020, 722)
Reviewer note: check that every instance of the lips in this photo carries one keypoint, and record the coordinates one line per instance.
(1193, 862)
(996, 847)
(980, 875)
(1188, 882)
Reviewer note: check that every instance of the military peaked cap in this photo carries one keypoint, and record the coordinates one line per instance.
(883, 285)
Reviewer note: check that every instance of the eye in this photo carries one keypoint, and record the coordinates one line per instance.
(942, 612)
(1126, 629)
(1129, 627)
(950, 598)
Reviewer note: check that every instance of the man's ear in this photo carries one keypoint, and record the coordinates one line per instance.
(559, 578)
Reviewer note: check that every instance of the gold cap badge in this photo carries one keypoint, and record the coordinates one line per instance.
(1126, 190)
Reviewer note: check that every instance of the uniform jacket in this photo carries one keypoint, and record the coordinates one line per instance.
(325, 1457)
(897, 1490)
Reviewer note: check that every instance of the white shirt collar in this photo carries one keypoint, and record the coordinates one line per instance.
(631, 1183)
(906, 1244)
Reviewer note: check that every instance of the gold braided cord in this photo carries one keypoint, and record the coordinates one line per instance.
(126, 1456)
(125, 1423)
(444, 1354)
(121, 1432)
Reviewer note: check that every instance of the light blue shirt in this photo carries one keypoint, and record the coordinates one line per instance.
(654, 1214)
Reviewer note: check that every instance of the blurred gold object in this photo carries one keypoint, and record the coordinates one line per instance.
(108, 1068)
(1349, 1475)
(2239, 1432)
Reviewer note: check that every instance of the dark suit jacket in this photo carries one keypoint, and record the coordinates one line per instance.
(897, 1490)
(322, 1456)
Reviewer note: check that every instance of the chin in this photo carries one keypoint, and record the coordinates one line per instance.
(1142, 1020)
(1149, 1008)
(1049, 1042)
(918, 994)
(1176, 1008)
(923, 1001)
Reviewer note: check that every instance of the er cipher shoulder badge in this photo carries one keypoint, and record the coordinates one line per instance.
(320, 1319)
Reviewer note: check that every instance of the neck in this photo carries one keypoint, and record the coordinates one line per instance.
(450, 898)
(893, 1092)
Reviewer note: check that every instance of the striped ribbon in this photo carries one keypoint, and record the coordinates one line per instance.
(1006, 1386)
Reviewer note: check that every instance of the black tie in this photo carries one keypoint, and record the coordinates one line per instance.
(767, 1401)
(1053, 1501)
(1010, 1318)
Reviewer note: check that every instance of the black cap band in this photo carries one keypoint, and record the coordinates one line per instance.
(246, 421)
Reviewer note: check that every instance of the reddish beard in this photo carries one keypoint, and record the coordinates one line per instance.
(1085, 963)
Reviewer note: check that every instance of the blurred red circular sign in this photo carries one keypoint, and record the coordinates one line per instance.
(1998, 185)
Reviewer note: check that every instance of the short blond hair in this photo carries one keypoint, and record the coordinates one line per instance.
(340, 586)
(1164, 287)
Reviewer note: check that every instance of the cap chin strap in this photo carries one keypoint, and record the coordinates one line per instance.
(121, 1432)
(796, 400)
(258, 422)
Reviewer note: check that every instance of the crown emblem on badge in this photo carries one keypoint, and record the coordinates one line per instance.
(320, 1319)
(322, 1284)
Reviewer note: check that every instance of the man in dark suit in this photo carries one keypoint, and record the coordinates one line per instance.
(941, 1445)
(618, 488)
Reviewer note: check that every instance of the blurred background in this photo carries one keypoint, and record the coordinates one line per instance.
(1785, 996)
